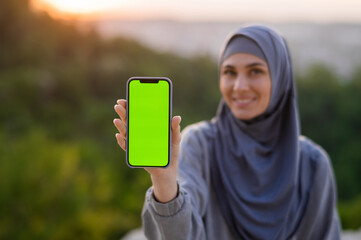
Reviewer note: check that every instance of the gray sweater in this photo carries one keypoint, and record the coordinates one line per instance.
(195, 212)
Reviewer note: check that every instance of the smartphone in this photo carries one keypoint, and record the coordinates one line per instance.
(149, 111)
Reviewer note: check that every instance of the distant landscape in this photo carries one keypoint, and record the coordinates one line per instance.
(335, 45)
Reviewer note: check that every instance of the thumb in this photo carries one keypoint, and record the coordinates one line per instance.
(176, 136)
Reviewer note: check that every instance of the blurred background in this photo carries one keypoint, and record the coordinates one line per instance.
(63, 65)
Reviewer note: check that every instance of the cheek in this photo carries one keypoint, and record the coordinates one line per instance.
(266, 91)
(223, 87)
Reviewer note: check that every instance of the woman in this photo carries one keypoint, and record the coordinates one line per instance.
(247, 174)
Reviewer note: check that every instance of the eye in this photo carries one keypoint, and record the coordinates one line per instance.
(229, 72)
(256, 71)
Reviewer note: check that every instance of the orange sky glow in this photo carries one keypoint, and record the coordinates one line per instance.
(205, 10)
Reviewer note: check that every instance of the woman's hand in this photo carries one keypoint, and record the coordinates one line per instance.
(164, 179)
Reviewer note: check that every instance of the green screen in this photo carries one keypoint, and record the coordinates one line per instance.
(148, 123)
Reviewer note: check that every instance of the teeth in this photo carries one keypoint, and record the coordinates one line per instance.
(243, 100)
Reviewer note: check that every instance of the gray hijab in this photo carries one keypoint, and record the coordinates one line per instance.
(256, 163)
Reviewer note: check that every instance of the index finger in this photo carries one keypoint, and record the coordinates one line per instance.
(120, 109)
(122, 102)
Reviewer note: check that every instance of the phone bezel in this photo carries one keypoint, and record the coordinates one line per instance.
(149, 79)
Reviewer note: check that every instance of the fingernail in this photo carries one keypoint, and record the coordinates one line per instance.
(180, 119)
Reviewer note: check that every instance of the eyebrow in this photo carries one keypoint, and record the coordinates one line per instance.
(248, 66)
(255, 64)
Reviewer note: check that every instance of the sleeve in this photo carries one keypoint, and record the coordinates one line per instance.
(321, 219)
(181, 218)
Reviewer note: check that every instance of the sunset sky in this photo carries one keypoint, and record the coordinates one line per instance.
(208, 10)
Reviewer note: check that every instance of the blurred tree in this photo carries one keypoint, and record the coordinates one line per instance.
(329, 115)
(17, 14)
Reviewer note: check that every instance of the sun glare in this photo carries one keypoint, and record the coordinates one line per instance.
(82, 6)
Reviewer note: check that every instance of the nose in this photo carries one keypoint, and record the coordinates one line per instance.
(241, 83)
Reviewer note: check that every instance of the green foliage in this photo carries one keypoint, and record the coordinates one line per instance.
(62, 175)
(350, 212)
(330, 114)
(65, 190)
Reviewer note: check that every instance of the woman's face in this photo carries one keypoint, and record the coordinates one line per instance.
(245, 85)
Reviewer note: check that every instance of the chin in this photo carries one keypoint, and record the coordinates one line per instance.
(243, 116)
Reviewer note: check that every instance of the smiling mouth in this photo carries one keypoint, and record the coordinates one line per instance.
(243, 102)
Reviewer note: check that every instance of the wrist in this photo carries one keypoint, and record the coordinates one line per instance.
(165, 189)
